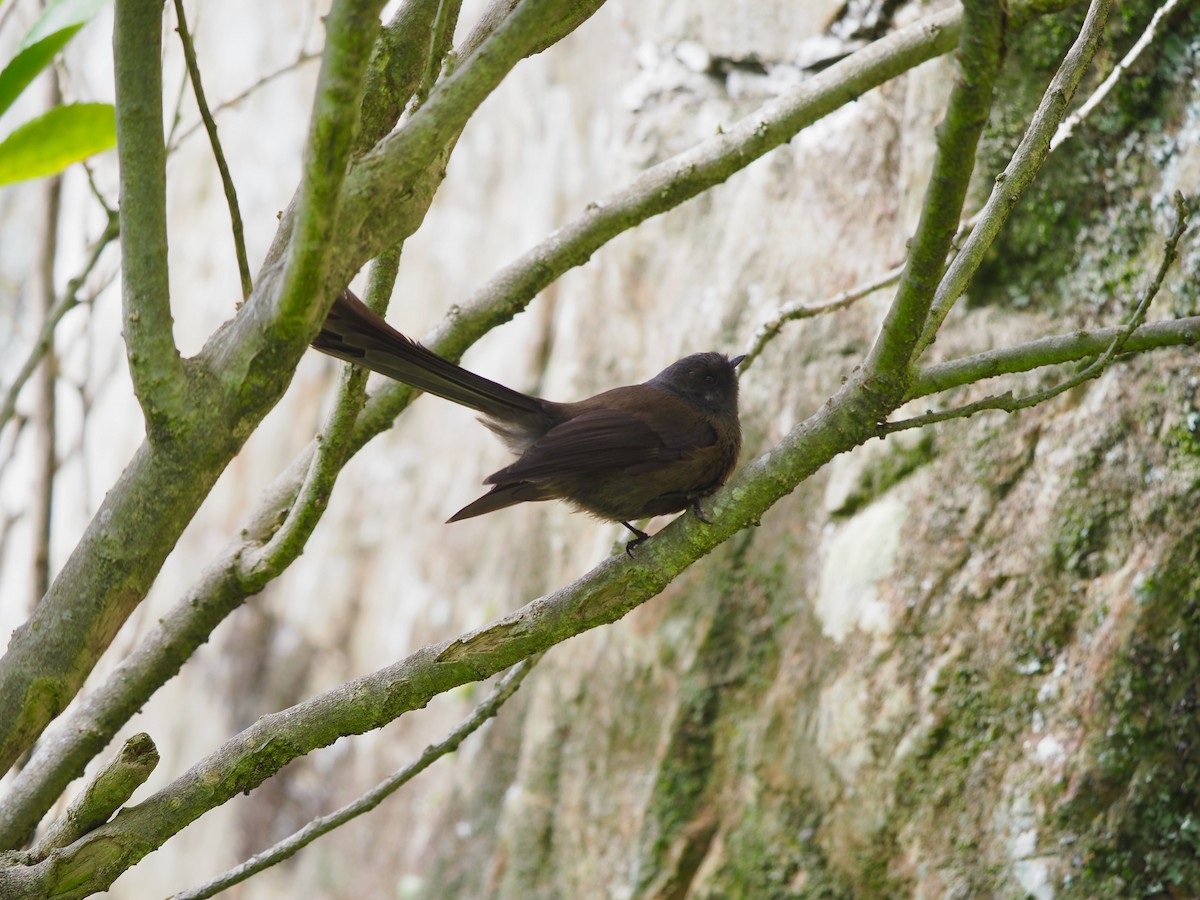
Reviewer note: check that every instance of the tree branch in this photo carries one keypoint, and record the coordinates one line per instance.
(44, 418)
(981, 49)
(793, 312)
(274, 535)
(105, 794)
(407, 47)
(301, 303)
(1049, 351)
(155, 365)
(1067, 128)
(301, 58)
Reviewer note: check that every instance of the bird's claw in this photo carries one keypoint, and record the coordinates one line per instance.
(639, 536)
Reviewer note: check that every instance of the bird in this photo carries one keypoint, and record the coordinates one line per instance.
(625, 454)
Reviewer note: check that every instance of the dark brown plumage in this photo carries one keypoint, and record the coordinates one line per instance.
(627, 453)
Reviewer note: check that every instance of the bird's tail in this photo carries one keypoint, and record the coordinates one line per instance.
(356, 334)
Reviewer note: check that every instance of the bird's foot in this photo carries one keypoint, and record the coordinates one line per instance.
(639, 536)
(696, 508)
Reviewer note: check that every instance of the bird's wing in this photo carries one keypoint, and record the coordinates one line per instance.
(608, 439)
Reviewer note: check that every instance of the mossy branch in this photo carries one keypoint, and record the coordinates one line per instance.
(1050, 351)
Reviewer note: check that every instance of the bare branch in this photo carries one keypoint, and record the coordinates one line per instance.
(292, 844)
(932, 417)
(235, 214)
(304, 56)
(43, 419)
(259, 566)
(770, 329)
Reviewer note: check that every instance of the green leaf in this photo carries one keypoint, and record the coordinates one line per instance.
(61, 16)
(28, 63)
(51, 142)
(49, 34)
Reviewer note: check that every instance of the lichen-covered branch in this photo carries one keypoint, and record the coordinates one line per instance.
(403, 54)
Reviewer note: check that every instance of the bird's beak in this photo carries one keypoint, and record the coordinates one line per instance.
(733, 363)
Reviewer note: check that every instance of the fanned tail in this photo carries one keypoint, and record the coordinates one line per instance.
(354, 333)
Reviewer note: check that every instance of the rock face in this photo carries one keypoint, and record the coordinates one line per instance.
(960, 662)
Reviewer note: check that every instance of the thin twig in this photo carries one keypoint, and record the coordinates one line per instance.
(993, 401)
(235, 215)
(1170, 254)
(45, 430)
(795, 311)
(1072, 121)
(289, 846)
(68, 301)
(305, 56)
